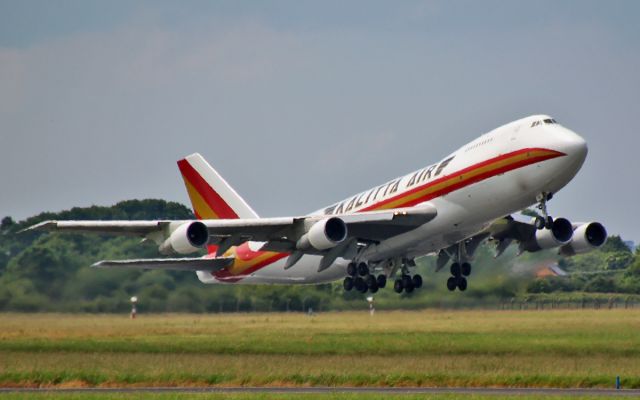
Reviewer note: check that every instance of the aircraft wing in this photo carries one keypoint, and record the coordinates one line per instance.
(372, 225)
(276, 234)
(282, 234)
(127, 228)
(177, 264)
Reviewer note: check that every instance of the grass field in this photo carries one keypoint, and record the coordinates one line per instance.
(577, 348)
(253, 396)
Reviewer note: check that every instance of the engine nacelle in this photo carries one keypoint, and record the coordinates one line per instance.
(186, 238)
(324, 234)
(586, 237)
(560, 234)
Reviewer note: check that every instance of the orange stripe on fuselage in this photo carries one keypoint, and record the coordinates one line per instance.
(248, 261)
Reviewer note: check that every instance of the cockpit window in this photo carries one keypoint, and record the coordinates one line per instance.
(546, 121)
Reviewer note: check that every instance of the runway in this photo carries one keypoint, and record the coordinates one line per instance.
(329, 390)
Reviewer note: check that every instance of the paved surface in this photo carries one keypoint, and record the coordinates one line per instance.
(294, 390)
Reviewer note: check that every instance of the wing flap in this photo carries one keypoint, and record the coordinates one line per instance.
(176, 264)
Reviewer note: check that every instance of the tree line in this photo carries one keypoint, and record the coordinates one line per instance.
(42, 271)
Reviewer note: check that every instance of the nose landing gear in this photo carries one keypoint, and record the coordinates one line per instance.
(544, 220)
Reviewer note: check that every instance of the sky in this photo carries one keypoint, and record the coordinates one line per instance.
(299, 104)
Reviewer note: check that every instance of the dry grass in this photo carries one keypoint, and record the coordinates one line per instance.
(430, 348)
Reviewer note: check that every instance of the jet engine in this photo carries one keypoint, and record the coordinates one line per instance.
(324, 234)
(188, 237)
(560, 234)
(586, 237)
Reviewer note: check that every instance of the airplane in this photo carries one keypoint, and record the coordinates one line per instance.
(448, 208)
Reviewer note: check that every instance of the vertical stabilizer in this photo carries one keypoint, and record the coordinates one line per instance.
(211, 196)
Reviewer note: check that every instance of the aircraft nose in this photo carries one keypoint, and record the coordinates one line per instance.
(572, 144)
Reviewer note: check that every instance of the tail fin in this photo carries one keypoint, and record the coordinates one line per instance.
(211, 196)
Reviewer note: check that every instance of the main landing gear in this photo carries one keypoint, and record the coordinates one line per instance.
(458, 279)
(361, 279)
(407, 283)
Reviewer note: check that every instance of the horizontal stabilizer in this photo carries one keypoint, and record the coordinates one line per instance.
(178, 264)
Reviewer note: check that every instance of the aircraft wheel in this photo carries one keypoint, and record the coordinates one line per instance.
(465, 268)
(540, 223)
(382, 281)
(409, 288)
(462, 284)
(452, 283)
(455, 269)
(370, 280)
(363, 269)
(360, 285)
(348, 283)
(406, 281)
(397, 286)
(352, 270)
(417, 281)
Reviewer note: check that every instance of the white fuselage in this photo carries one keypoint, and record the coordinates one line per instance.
(461, 211)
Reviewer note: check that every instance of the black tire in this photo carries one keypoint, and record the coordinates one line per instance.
(417, 281)
(373, 289)
(397, 286)
(452, 283)
(370, 280)
(382, 281)
(540, 223)
(462, 284)
(549, 223)
(409, 288)
(455, 269)
(352, 270)
(465, 268)
(406, 281)
(363, 269)
(347, 284)
(360, 285)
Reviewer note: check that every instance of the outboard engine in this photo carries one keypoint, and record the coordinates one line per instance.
(586, 237)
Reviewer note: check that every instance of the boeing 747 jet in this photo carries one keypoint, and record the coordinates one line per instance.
(447, 208)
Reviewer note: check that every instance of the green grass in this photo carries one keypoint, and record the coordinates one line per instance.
(560, 348)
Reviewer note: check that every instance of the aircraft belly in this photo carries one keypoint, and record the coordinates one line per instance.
(304, 271)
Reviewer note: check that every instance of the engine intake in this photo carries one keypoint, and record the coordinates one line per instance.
(560, 234)
(186, 238)
(324, 234)
(586, 237)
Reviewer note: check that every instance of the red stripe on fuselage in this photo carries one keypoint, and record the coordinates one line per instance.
(467, 182)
